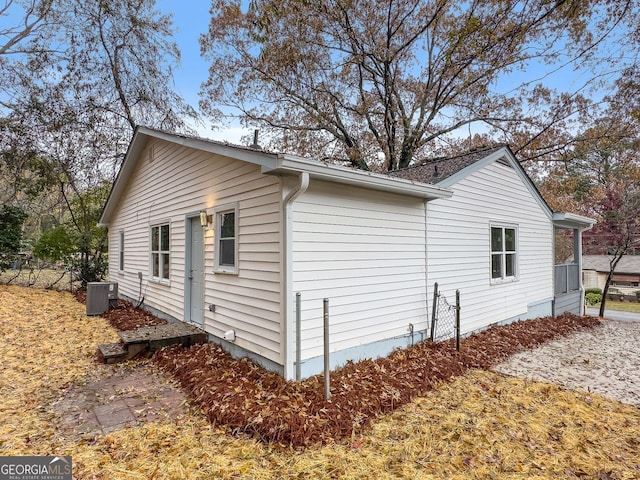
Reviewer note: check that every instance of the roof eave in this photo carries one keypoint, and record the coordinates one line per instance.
(290, 165)
(139, 142)
(571, 221)
(270, 164)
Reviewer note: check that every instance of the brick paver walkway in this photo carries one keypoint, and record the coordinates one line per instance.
(120, 396)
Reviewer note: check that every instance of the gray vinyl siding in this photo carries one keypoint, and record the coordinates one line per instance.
(568, 302)
(458, 241)
(171, 182)
(365, 252)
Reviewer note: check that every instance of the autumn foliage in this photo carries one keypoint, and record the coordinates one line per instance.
(248, 399)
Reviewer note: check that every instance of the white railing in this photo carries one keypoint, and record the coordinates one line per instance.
(567, 278)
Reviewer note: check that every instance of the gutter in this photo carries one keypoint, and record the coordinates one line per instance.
(289, 314)
(288, 165)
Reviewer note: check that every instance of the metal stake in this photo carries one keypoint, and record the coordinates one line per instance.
(327, 386)
(298, 335)
(458, 320)
(434, 311)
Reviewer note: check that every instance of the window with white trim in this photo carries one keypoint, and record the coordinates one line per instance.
(121, 251)
(226, 251)
(504, 255)
(160, 259)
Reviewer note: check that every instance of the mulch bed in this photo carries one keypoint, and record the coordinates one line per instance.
(249, 399)
(123, 315)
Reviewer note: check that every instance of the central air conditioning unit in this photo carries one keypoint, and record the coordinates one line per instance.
(98, 296)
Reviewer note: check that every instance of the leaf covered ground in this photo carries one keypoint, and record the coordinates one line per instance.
(478, 425)
(244, 397)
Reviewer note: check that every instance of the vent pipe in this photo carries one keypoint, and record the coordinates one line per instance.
(256, 145)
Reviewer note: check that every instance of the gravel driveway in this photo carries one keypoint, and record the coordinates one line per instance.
(603, 360)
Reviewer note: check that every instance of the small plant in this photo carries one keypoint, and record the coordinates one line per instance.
(637, 294)
(593, 298)
(593, 290)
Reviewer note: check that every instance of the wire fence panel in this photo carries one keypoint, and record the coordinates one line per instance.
(445, 322)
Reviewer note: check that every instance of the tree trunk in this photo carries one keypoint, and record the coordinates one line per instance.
(613, 263)
(604, 294)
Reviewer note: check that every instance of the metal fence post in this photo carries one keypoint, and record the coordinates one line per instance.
(298, 335)
(327, 386)
(458, 320)
(434, 310)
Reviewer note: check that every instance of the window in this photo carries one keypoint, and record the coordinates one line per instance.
(226, 252)
(624, 283)
(503, 254)
(121, 252)
(160, 252)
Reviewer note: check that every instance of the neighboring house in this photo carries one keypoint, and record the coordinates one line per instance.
(224, 237)
(626, 277)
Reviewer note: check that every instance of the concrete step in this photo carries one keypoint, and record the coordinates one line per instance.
(146, 340)
(159, 336)
(120, 352)
(113, 352)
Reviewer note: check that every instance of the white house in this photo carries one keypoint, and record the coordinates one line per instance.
(224, 237)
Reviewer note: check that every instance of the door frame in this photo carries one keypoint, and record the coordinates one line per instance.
(189, 218)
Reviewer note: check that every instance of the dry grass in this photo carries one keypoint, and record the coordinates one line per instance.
(481, 425)
(38, 278)
(621, 306)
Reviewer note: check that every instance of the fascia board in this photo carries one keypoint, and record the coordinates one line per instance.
(359, 178)
(139, 141)
(269, 163)
(236, 152)
(137, 145)
(571, 220)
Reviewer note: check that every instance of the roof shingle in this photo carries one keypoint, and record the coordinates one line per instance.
(600, 263)
(439, 169)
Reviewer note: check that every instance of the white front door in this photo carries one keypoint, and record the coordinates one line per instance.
(194, 294)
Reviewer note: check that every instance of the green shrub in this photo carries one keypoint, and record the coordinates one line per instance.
(593, 298)
(593, 290)
(55, 245)
(11, 221)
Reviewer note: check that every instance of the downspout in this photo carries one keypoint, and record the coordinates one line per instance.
(426, 269)
(289, 339)
(553, 268)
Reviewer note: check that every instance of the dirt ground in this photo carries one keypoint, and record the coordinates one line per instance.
(603, 360)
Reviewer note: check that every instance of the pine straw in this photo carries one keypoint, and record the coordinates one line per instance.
(246, 398)
(47, 343)
(480, 425)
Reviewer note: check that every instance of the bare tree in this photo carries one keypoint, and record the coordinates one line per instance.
(23, 21)
(357, 81)
(601, 179)
(88, 73)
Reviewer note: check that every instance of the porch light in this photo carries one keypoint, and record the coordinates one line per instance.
(204, 218)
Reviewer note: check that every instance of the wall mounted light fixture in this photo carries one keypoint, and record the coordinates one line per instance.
(204, 218)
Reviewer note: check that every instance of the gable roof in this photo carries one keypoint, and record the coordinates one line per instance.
(445, 172)
(440, 169)
(601, 263)
(270, 163)
(419, 181)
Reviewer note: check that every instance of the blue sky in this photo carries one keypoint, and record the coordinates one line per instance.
(191, 19)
